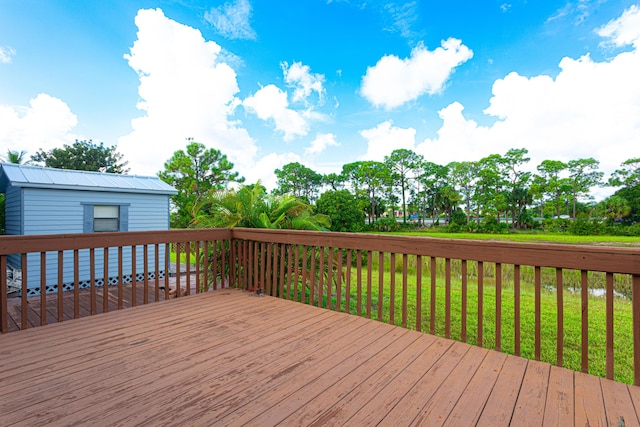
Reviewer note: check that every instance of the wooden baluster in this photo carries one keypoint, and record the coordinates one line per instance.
(538, 323)
(76, 283)
(25, 291)
(187, 267)
(463, 303)
(305, 275)
(447, 298)
(339, 282)
(560, 318)
(585, 320)
(60, 286)
(312, 275)
(121, 277)
(369, 282)
(290, 270)
(214, 273)
(282, 260)
(432, 314)
(145, 281)
(105, 280)
(4, 303)
(178, 289)
(43, 288)
(392, 289)
(167, 268)
(92, 280)
(635, 308)
(516, 308)
(347, 303)
(134, 273)
(156, 263)
(359, 282)
(329, 276)
(498, 306)
(480, 298)
(268, 282)
(205, 265)
(296, 271)
(405, 289)
(380, 284)
(418, 293)
(609, 303)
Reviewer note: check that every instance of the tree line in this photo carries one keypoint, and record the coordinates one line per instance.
(493, 194)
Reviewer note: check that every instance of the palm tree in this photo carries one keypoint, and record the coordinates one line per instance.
(252, 207)
(16, 157)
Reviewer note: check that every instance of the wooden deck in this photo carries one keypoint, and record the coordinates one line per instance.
(231, 358)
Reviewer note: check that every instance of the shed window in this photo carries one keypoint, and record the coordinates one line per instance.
(106, 218)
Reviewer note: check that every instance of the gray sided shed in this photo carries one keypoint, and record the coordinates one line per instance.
(57, 201)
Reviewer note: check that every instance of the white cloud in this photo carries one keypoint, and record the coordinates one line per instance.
(578, 10)
(591, 109)
(46, 123)
(232, 20)
(393, 82)
(185, 91)
(384, 138)
(303, 81)
(624, 30)
(271, 103)
(403, 17)
(321, 142)
(6, 53)
(265, 167)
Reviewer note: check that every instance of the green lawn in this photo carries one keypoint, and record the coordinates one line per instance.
(531, 237)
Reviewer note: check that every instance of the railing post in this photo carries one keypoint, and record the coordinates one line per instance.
(635, 295)
(4, 316)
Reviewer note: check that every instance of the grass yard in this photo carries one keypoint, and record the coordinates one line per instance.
(619, 241)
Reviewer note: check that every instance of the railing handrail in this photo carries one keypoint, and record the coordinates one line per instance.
(575, 257)
(57, 242)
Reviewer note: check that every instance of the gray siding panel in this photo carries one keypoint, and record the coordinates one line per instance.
(49, 211)
(13, 211)
(62, 211)
(13, 219)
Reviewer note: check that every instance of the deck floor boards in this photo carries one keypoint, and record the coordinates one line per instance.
(228, 357)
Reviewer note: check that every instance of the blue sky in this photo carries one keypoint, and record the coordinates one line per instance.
(323, 82)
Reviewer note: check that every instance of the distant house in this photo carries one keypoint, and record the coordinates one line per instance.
(57, 201)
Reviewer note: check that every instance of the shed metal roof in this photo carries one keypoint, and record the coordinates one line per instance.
(65, 179)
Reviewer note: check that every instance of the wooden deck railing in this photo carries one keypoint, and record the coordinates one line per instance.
(89, 263)
(515, 298)
(506, 296)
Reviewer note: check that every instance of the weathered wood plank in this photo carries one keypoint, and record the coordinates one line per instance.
(469, 407)
(531, 401)
(559, 409)
(588, 401)
(499, 407)
(422, 390)
(618, 404)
